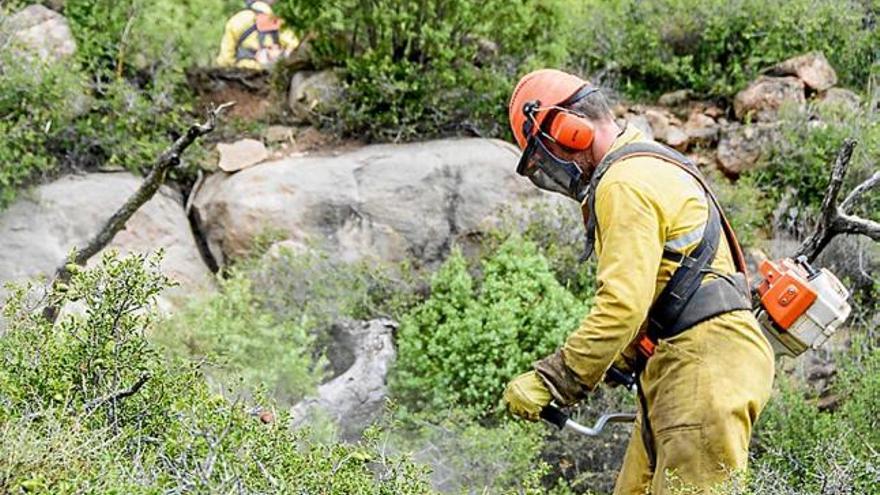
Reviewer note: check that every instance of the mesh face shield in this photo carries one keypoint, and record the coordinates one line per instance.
(549, 172)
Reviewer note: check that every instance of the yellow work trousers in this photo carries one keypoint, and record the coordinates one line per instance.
(704, 390)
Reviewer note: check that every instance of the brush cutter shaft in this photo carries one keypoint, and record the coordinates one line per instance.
(555, 416)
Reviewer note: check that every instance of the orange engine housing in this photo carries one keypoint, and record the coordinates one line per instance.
(785, 292)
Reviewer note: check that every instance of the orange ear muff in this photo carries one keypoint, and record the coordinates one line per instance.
(572, 131)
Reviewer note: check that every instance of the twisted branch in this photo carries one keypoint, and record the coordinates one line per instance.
(169, 159)
(836, 219)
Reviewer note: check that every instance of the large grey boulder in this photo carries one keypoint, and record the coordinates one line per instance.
(356, 397)
(385, 202)
(38, 231)
(39, 33)
(764, 97)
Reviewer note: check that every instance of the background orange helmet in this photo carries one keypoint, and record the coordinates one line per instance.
(549, 87)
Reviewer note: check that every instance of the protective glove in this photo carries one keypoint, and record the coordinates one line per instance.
(560, 380)
(526, 395)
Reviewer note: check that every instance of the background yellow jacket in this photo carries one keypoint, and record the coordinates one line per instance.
(235, 28)
(704, 387)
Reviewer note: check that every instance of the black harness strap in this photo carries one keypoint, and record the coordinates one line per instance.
(246, 53)
(685, 300)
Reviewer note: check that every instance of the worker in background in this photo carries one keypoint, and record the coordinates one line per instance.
(702, 366)
(255, 38)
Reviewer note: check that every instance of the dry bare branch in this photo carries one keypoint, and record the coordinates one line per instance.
(119, 394)
(837, 219)
(169, 159)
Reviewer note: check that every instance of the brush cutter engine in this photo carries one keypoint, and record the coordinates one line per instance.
(801, 307)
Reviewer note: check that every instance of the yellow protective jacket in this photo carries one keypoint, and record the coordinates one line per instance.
(704, 387)
(236, 28)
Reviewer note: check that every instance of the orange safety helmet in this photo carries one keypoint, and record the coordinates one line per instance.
(537, 115)
(549, 87)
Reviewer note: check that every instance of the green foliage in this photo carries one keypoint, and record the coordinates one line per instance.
(118, 103)
(310, 286)
(798, 164)
(73, 420)
(244, 342)
(465, 342)
(742, 202)
(36, 101)
(558, 232)
(413, 68)
(467, 456)
(799, 445)
(717, 46)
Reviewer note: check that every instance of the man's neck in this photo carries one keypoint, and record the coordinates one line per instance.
(606, 133)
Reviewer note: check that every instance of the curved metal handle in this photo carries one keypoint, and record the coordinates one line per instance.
(555, 416)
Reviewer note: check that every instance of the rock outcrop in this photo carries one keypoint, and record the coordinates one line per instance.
(241, 154)
(740, 147)
(811, 68)
(763, 98)
(39, 33)
(356, 397)
(311, 90)
(38, 231)
(391, 202)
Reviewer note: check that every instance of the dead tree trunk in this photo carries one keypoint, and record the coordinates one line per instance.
(169, 159)
(837, 219)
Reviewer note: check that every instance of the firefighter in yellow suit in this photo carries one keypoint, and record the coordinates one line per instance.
(703, 388)
(254, 38)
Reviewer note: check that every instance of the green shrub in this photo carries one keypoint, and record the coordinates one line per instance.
(37, 101)
(313, 287)
(799, 445)
(798, 165)
(412, 68)
(467, 456)
(717, 46)
(244, 342)
(74, 421)
(558, 232)
(465, 342)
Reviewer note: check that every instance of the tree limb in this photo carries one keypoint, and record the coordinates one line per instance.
(169, 159)
(837, 219)
(119, 394)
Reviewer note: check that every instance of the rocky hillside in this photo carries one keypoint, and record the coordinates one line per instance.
(328, 292)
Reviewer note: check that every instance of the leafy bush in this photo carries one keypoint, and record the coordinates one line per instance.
(244, 342)
(798, 166)
(466, 456)
(88, 405)
(465, 342)
(799, 445)
(717, 46)
(413, 68)
(36, 101)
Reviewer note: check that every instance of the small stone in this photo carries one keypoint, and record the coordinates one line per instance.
(677, 138)
(701, 128)
(266, 417)
(39, 33)
(675, 98)
(310, 92)
(279, 134)
(659, 122)
(811, 68)
(241, 154)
